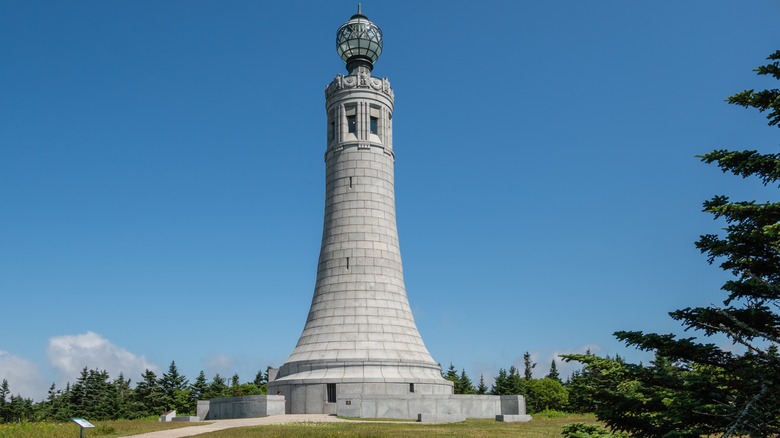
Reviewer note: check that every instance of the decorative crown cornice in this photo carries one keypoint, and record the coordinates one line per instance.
(362, 79)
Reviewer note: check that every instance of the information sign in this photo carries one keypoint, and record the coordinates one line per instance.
(82, 422)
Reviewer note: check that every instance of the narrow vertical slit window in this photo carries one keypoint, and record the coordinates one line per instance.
(331, 126)
(350, 182)
(373, 122)
(347, 263)
(350, 111)
(411, 387)
(352, 124)
(331, 387)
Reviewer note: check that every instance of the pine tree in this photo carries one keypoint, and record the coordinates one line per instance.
(217, 388)
(482, 388)
(528, 365)
(452, 373)
(501, 384)
(517, 384)
(198, 389)
(553, 374)
(20, 409)
(260, 379)
(175, 389)
(463, 385)
(149, 396)
(4, 408)
(124, 395)
(235, 386)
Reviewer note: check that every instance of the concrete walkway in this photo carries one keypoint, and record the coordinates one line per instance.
(241, 422)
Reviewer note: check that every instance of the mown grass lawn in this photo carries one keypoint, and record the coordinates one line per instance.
(539, 427)
(102, 429)
(542, 426)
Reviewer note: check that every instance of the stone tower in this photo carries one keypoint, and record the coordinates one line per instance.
(360, 337)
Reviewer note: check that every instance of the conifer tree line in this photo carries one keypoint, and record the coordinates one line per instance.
(541, 394)
(96, 396)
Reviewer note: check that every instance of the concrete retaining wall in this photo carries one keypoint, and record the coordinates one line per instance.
(410, 406)
(250, 406)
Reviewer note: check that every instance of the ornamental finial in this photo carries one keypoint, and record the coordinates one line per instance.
(359, 41)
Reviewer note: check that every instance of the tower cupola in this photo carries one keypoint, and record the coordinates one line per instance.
(359, 41)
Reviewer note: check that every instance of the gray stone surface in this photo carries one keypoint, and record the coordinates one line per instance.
(242, 407)
(410, 406)
(202, 409)
(360, 334)
(186, 419)
(513, 418)
(360, 329)
(512, 404)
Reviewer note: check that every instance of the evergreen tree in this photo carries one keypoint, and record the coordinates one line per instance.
(198, 390)
(482, 388)
(4, 408)
(580, 388)
(463, 385)
(92, 396)
(528, 365)
(235, 386)
(501, 385)
(217, 388)
(149, 397)
(109, 405)
(260, 379)
(746, 397)
(124, 395)
(175, 388)
(517, 384)
(553, 374)
(452, 373)
(20, 409)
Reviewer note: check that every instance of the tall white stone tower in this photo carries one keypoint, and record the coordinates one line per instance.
(360, 337)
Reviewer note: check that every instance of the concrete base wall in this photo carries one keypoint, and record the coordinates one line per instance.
(311, 397)
(250, 406)
(513, 418)
(411, 406)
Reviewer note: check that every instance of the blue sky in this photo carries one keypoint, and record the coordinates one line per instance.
(162, 174)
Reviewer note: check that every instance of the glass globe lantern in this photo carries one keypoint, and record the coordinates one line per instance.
(359, 42)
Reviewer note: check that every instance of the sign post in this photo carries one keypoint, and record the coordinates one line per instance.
(83, 424)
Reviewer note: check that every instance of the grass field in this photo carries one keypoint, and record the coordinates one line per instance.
(542, 426)
(102, 429)
(539, 427)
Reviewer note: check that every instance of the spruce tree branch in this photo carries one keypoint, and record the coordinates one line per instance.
(746, 328)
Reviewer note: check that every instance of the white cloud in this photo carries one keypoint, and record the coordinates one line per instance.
(71, 353)
(23, 376)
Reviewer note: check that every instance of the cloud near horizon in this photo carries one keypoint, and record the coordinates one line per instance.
(23, 376)
(70, 354)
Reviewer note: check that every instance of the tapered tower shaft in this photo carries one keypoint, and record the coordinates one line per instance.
(360, 336)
